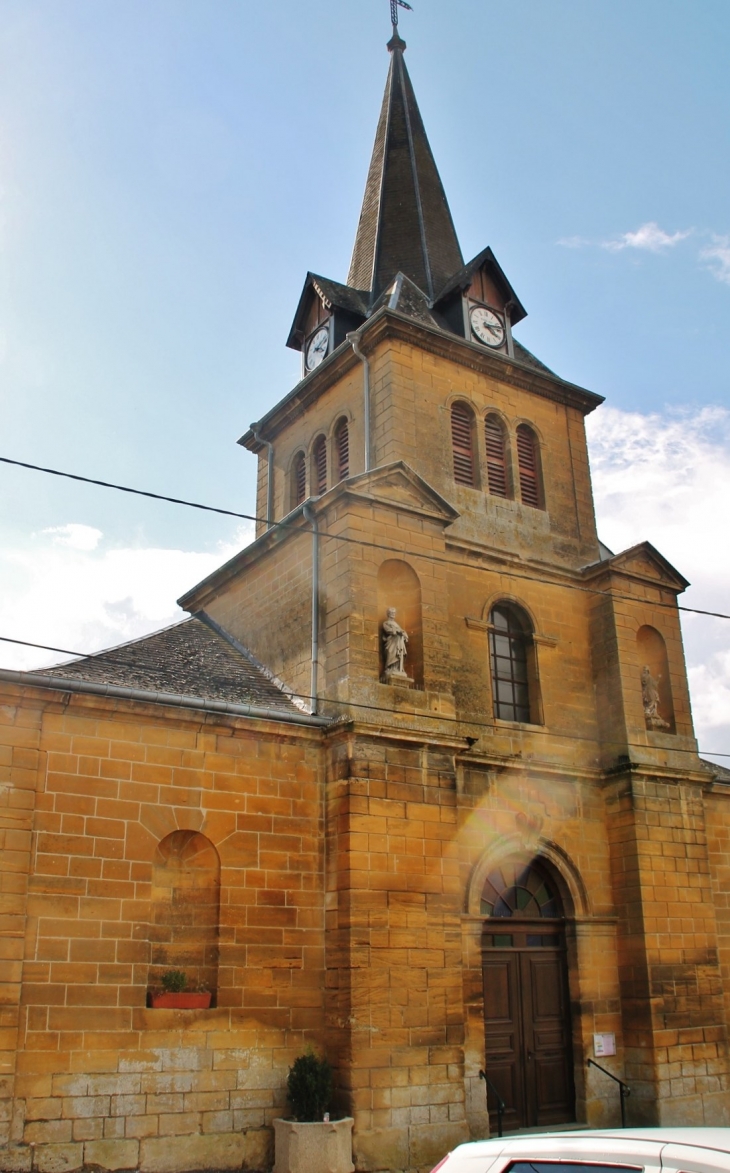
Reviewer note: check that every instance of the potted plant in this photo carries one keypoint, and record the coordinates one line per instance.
(309, 1142)
(175, 994)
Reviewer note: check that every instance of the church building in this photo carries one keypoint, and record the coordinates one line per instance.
(415, 784)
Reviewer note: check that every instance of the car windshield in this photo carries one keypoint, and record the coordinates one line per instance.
(570, 1167)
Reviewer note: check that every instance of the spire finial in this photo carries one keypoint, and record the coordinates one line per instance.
(396, 41)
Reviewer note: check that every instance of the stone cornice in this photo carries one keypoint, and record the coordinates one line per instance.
(390, 324)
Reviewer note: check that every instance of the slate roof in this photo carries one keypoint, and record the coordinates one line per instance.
(464, 277)
(342, 297)
(189, 659)
(405, 222)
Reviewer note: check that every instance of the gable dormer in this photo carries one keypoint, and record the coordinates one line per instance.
(326, 314)
(479, 304)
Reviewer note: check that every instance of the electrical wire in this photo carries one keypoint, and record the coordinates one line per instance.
(510, 573)
(109, 657)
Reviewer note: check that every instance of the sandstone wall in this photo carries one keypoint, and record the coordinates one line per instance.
(100, 1078)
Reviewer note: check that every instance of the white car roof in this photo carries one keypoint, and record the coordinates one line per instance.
(707, 1138)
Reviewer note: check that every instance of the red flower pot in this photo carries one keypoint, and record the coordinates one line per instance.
(181, 1001)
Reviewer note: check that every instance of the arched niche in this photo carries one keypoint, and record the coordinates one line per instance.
(185, 908)
(656, 689)
(399, 587)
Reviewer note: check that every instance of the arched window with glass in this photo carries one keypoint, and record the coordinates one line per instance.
(298, 480)
(512, 663)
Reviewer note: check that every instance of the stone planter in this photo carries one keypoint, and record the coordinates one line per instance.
(181, 1001)
(313, 1148)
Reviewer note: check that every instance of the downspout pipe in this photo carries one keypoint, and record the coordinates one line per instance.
(309, 515)
(269, 474)
(355, 344)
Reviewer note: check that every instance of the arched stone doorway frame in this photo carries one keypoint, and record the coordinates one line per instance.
(573, 892)
(577, 908)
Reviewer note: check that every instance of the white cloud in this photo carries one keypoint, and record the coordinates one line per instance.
(649, 238)
(66, 589)
(75, 536)
(717, 255)
(667, 479)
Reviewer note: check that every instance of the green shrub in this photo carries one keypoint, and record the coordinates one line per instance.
(310, 1087)
(174, 981)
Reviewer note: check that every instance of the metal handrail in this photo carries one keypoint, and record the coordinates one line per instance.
(500, 1102)
(624, 1089)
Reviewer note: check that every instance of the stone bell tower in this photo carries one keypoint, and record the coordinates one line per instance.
(509, 701)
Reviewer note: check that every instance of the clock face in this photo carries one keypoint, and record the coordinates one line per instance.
(317, 348)
(488, 327)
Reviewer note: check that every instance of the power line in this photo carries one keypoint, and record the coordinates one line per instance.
(110, 658)
(352, 541)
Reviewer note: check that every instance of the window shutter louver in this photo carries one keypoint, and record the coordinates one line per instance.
(527, 461)
(342, 441)
(496, 462)
(300, 479)
(320, 465)
(461, 443)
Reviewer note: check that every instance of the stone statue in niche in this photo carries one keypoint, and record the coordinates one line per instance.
(395, 650)
(650, 698)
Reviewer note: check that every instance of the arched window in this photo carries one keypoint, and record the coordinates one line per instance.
(496, 456)
(528, 460)
(462, 444)
(298, 480)
(510, 647)
(342, 450)
(520, 892)
(319, 465)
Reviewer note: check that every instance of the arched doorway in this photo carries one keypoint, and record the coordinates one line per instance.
(527, 1032)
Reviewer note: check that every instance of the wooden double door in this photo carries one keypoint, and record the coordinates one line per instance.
(527, 1033)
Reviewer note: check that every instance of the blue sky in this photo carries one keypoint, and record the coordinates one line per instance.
(170, 169)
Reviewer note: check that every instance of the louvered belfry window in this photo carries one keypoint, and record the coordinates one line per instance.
(461, 443)
(299, 479)
(527, 459)
(320, 465)
(496, 456)
(342, 448)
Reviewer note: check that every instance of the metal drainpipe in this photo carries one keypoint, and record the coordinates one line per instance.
(353, 340)
(307, 511)
(269, 475)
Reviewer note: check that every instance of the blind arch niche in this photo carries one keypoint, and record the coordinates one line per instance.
(185, 908)
(653, 655)
(399, 587)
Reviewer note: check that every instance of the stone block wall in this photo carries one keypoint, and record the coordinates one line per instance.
(99, 1077)
(674, 1016)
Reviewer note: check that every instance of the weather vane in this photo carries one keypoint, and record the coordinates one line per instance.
(394, 6)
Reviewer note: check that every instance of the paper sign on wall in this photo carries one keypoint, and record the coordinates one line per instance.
(604, 1045)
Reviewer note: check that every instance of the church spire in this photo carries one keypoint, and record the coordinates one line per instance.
(405, 222)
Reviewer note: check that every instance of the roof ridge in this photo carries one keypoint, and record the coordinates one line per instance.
(231, 640)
